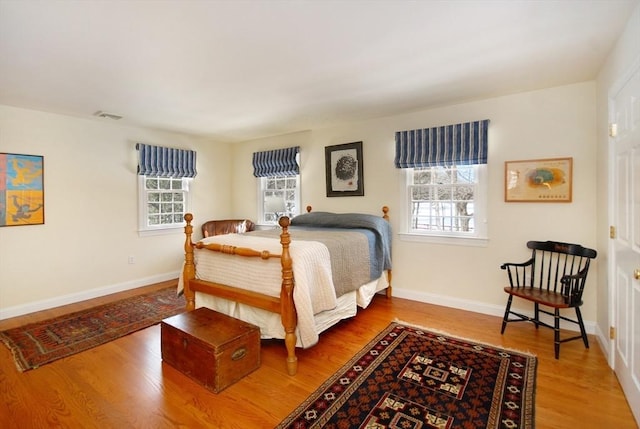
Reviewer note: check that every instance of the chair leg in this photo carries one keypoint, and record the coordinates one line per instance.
(506, 314)
(556, 333)
(583, 331)
(536, 314)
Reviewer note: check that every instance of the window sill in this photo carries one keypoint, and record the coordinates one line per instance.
(160, 231)
(267, 226)
(445, 239)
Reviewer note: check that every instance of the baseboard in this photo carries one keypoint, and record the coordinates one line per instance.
(475, 306)
(429, 298)
(605, 345)
(58, 301)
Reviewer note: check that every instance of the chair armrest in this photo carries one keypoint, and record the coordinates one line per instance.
(518, 272)
(569, 278)
(516, 264)
(573, 286)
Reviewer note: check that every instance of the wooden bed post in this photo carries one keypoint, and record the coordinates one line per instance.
(189, 271)
(288, 309)
(385, 216)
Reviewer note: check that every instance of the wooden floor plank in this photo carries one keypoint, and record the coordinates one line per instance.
(124, 384)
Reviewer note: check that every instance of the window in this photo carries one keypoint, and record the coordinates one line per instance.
(278, 172)
(445, 189)
(446, 201)
(278, 196)
(163, 202)
(164, 177)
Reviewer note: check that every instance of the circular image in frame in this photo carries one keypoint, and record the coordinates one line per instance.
(346, 167)
(344, 171)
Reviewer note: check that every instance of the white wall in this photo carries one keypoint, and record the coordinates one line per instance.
(91, 194)
(556, 122)
(90, 197)
(624, 56)
(90, 228)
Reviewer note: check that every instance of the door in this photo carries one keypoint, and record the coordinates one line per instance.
(625, 263)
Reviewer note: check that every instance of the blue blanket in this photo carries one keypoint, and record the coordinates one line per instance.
(379, 228)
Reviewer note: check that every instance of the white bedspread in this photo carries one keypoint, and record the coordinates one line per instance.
(313, 292)
(271, 325)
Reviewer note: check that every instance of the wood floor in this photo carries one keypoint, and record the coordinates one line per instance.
(124, 384)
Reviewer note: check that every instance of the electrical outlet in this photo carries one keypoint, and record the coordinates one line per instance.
(132, 259)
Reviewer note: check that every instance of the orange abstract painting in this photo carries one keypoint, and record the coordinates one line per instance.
(21, 189)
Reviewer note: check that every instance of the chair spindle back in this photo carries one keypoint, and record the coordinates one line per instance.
(554, 261)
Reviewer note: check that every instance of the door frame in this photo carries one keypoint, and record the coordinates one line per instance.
(611, 169)
(624, 374)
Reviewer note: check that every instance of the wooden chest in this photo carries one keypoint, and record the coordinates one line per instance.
(212, 348)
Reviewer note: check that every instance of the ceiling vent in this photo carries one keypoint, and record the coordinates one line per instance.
(102, 114)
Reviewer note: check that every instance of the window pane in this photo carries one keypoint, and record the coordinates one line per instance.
(443, 193)
(290, 195)
(463, 193)
(442, 199)
(151, 183)
(270, 217)
(421, 177)
(419, 193)
(164, 202)
(279, 187)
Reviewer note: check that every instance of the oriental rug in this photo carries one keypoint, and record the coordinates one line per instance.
(410, 377)
(39, 343)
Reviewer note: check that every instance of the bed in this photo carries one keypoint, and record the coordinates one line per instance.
(295, 281)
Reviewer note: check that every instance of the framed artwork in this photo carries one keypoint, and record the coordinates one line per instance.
(538, 180)
(344, 170)
(21, 189)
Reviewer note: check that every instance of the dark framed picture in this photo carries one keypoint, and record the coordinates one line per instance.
(344, 170)
(21, 189)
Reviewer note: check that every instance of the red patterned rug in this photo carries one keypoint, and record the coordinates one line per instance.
(410, 377)
(43, 342)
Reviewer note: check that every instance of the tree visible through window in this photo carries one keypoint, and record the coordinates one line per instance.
(285, 189)
(164, 201)
(442, 199)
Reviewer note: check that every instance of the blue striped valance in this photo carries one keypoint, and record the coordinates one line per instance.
(278, 162)
(165, 161)
(459, 144)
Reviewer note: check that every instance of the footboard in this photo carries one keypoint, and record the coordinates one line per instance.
(323, 274)
(283, 305)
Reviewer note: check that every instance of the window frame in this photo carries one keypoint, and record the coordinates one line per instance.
(262, 194)
(144, 229)
(478, 238)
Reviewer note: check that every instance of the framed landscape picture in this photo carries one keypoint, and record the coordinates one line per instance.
(21, 189)
(539, 180)
(344, 170)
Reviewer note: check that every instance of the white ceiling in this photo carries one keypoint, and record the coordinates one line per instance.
(237, 70)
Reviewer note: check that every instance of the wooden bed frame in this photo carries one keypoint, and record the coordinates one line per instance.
(283, 305)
